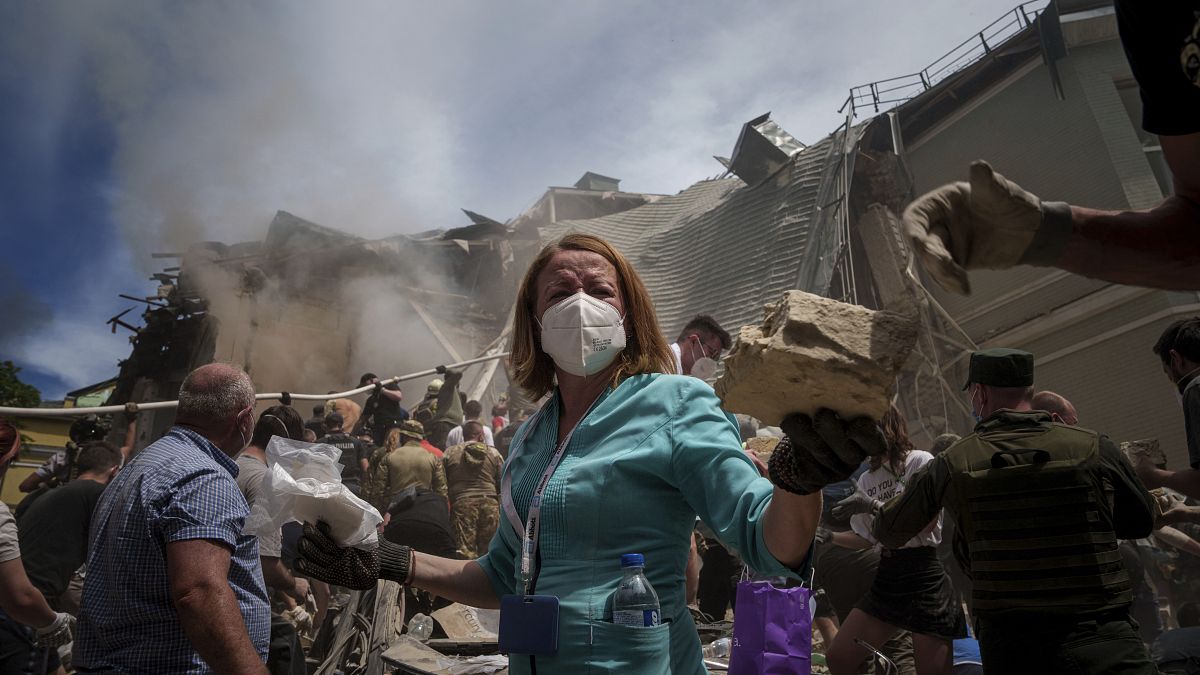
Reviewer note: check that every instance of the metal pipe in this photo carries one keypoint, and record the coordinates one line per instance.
(162, 405)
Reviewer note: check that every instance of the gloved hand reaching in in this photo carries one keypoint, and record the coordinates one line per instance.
(820, 450)
(57, 633)
(321, 558)
(853, 505)
(988, 223)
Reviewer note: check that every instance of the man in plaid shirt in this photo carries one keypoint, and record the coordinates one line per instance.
(173, 586)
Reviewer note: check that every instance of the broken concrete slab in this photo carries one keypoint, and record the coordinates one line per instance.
(812, 352)
(1145, 447)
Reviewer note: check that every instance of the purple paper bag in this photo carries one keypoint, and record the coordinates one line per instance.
(772, 630)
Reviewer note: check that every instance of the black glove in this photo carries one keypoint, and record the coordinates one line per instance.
(853, 505)
(378, 388)
(440, 370)
(321, 558)
(285, 398)
(451, 377)
(817, 452)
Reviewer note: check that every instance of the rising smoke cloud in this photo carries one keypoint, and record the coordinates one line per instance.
(311, 327)
(383, 117)
(380, 118)
(226, 111)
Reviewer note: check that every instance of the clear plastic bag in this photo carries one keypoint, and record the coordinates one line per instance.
(305, 485)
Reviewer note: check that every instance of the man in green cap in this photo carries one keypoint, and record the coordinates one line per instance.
(1039, 507)
(402, 462)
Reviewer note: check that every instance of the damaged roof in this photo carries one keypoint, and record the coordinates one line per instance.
(720, 247)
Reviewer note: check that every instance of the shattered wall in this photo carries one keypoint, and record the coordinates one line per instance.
(310, 310)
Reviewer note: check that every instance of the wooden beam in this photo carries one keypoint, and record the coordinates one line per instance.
(489, 371)
(437, 333)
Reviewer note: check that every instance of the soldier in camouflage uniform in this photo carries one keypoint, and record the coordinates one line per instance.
(1039, 508)
(403, 462)
(473, 476)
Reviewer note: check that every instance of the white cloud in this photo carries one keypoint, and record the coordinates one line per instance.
(69, 340)
(389, 117)
(73, 350)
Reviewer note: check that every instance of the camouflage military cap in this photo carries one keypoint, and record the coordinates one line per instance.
(412, 429)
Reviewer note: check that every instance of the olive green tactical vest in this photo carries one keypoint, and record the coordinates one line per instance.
(1035, 514)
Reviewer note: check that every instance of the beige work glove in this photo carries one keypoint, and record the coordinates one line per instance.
(988, 223)
(56, 633)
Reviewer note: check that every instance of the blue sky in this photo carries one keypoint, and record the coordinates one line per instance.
(130, 127)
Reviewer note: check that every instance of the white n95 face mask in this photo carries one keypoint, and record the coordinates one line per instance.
(705, 366)
(582, 334)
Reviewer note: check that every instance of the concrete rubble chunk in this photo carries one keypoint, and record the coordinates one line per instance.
(811, 352)
(1146, 447)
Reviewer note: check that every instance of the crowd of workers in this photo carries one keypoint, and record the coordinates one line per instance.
(1029, 544)
(437, 498)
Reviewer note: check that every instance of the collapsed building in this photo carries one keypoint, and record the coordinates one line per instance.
(1046, 96)
(310, 308)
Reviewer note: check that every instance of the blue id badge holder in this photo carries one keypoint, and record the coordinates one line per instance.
(529, 624)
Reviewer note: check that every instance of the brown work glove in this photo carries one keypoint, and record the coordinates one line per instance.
(820, 450)
(989, 223)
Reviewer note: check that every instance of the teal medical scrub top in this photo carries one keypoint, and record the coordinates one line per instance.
(652, 454)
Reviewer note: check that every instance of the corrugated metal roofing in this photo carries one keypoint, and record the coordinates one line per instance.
(719, 247)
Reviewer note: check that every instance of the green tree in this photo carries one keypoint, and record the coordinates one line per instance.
(14, 392)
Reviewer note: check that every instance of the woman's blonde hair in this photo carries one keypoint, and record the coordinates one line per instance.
(392, 441)
(645, 351)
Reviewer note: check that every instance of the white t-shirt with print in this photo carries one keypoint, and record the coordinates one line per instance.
(883, 484)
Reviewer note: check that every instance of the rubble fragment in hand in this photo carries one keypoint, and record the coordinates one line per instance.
(811, 352)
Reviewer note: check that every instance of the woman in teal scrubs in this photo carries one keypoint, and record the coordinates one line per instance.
(637, 455)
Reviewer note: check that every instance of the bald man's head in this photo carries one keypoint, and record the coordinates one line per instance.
(217, 400)
(1059, 408)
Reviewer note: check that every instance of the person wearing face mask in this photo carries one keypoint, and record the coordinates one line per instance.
(1179, 350)
(285, 655)
(696, 351)
(1039, 507)
(173, 583)
(621, 458)
(698, 347)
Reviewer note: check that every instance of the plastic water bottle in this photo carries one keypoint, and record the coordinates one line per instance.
(420, 627)
(718, 649)
(635, 603)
